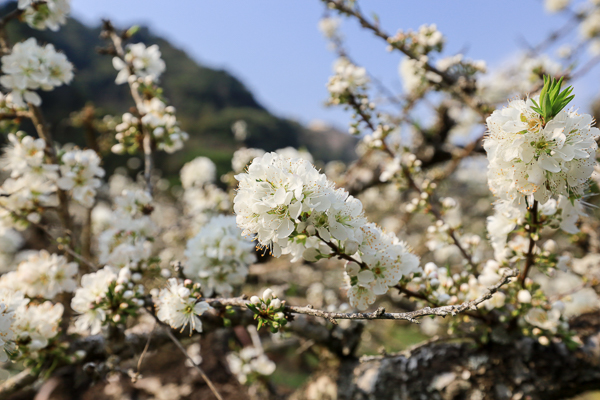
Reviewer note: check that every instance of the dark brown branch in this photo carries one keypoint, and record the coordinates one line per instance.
(533, 231)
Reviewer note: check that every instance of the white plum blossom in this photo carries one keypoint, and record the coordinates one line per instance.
(347, 77)
(524, 296)
(127, 241)
(412, 74)
(198, 172)
(329, 27)
(80, 170)
(248, 362)
(94, 288)
(145, 63)
(24, 198)
(29, 67)
(49, 14)
(290, 152)
(36, 324)
(177, 307)
(105, 297)
(274, 193)
(42, 275)
(202, 203)
(218, 256)
(547, 320)
(159, 119)
(244, 156)
(24, 155)
(535, 160)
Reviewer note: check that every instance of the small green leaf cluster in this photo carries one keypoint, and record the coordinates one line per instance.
(552, 100)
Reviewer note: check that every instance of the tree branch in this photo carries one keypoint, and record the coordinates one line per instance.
(380, 313)
(533, 232)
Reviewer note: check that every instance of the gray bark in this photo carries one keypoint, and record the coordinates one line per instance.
(520, 369)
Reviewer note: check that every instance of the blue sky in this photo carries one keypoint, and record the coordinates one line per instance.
(274, 46)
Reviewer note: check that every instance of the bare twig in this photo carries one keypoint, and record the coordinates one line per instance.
(18, 382)
(141, 359)
(380, 313)
(206, 378)
(448, 82)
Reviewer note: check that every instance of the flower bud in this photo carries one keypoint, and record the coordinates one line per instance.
(255, 300)
(165, 273)
(276, 304)
(524, 296)
(267, 294)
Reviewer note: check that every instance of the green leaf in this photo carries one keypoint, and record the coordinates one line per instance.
(552, 100)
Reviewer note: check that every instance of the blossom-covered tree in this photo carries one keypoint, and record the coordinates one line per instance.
(98, 271)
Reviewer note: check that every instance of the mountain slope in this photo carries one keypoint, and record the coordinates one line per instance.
(208, 101)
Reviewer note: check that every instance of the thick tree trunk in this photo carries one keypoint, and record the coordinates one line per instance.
(523, 369)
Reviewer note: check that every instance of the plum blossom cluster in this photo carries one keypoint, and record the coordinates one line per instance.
(29, 67)
(537, 315)
(127, 241)
(79, 173)
(159, 119)
(421, 42)
(348, 79)
(31, 186)
(177, 305)
(107, 296)
(198, 172)
(268, 310)
(447, 288)
(382, 260)
(329, 27)
(294, 209)
(140, 63)
(42, 275)
(558, 213)
(535, 159)
(26, 328)
(34, 179)
(249, 364)
(201, 197)
(49, 14)
(218, 256)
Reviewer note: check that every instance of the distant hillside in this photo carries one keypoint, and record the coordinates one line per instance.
(208, 101)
